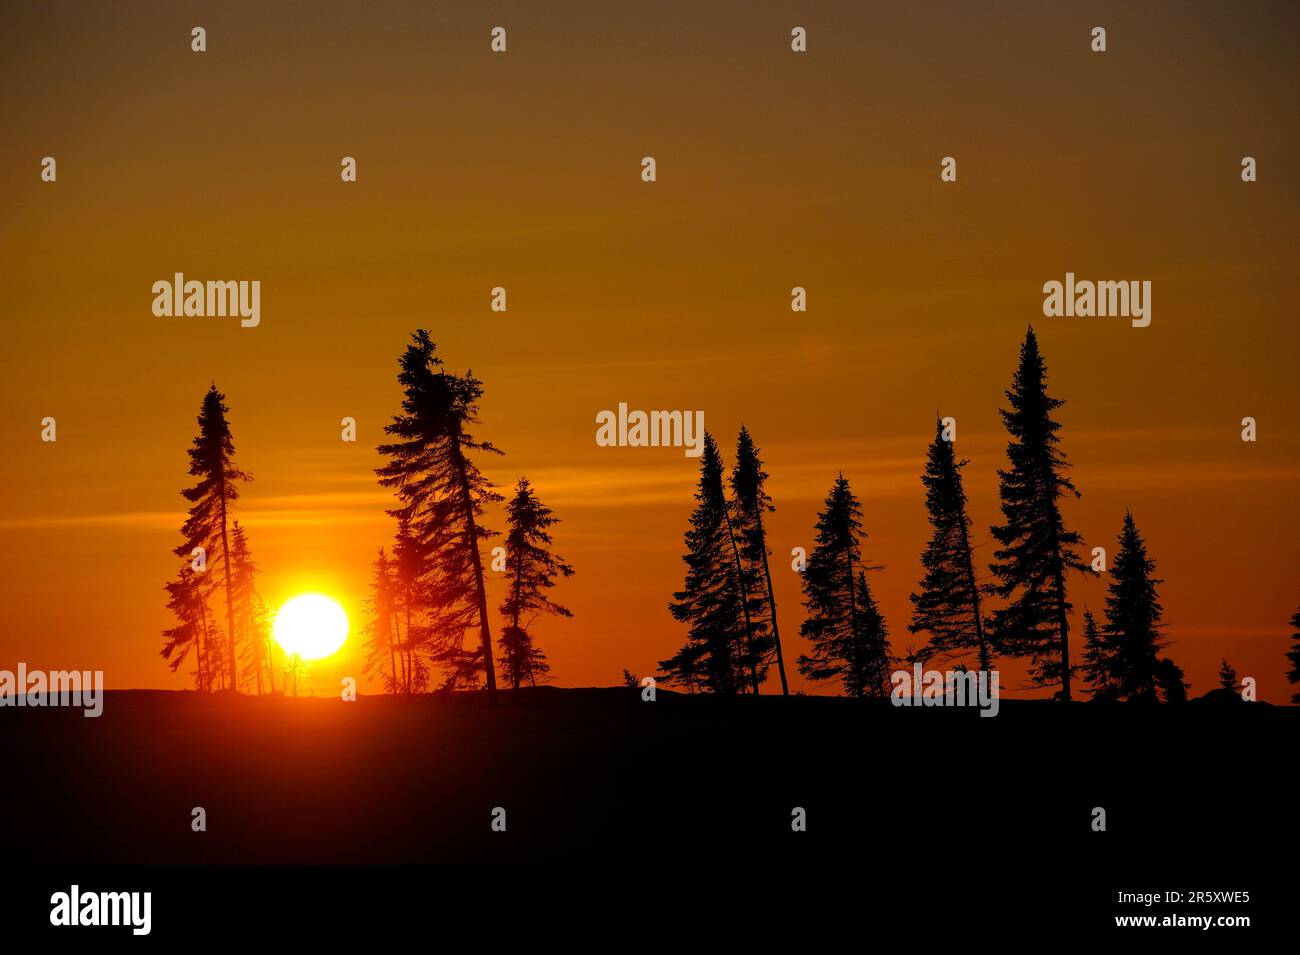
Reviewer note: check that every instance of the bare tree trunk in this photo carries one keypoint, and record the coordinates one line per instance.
(771, 602)
(392, 656)
(408, 663)
(485, 631)
(471, 530)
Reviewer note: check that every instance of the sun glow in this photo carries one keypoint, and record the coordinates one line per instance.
(311, 625)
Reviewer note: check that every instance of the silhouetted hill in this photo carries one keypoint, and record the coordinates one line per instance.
(1222, 697)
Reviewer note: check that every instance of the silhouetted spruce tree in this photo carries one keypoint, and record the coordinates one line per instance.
(381, 624)
(874, 670)
(215, 657)
(187, 599)
(1169, 679)
(751, 503)
(1097, 660)
(714, 655)
(746, 582)
(443, 493)
(1037, 551)
(1133, 618)
(413, 596)
(948, 604)
(531, 572)
(521, 661)
(262, 637)
(252, 628)
(1293, 675)
(847, 631)
(1227, 675)
(295, 670)
(212, 461)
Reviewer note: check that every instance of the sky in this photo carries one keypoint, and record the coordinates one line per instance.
(522, 170)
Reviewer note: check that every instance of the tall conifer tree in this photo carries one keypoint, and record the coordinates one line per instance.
(381, 624)
(413, 595)
(948, 603)
(432, 470)
(714, 655)
(847, 631)
(261, 636)
(531, 570)
(1037, 550)
(212, 461)
(751, 503)
(252, 628)
(1133, 613)
(746, 582)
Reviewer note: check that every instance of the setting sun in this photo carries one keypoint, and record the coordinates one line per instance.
(311, 625)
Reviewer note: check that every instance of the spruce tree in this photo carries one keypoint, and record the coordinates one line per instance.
(215, 657)
(749, 601)
(381, 624)
(1169, 680)
(1098, 662)
(1037, 550)
(187, 599)
(714, 655)
(531, 572)
(847, 631)
(1227, 675)
(1133, 615)
(870, 670)
(443, 493)
(751, 503)
(413, 597)
(252, 627)
(212, 461)
(1293, 675)
(262, 637)
(948, 604)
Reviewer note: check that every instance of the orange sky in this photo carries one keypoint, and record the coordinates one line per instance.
(522, 170)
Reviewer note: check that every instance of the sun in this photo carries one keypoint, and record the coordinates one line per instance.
(311, 625)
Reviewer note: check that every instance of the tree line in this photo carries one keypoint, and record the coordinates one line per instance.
(428, 605)
(1020, 609)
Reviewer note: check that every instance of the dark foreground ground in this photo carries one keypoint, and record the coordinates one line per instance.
(599, 773)
(651, 818)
